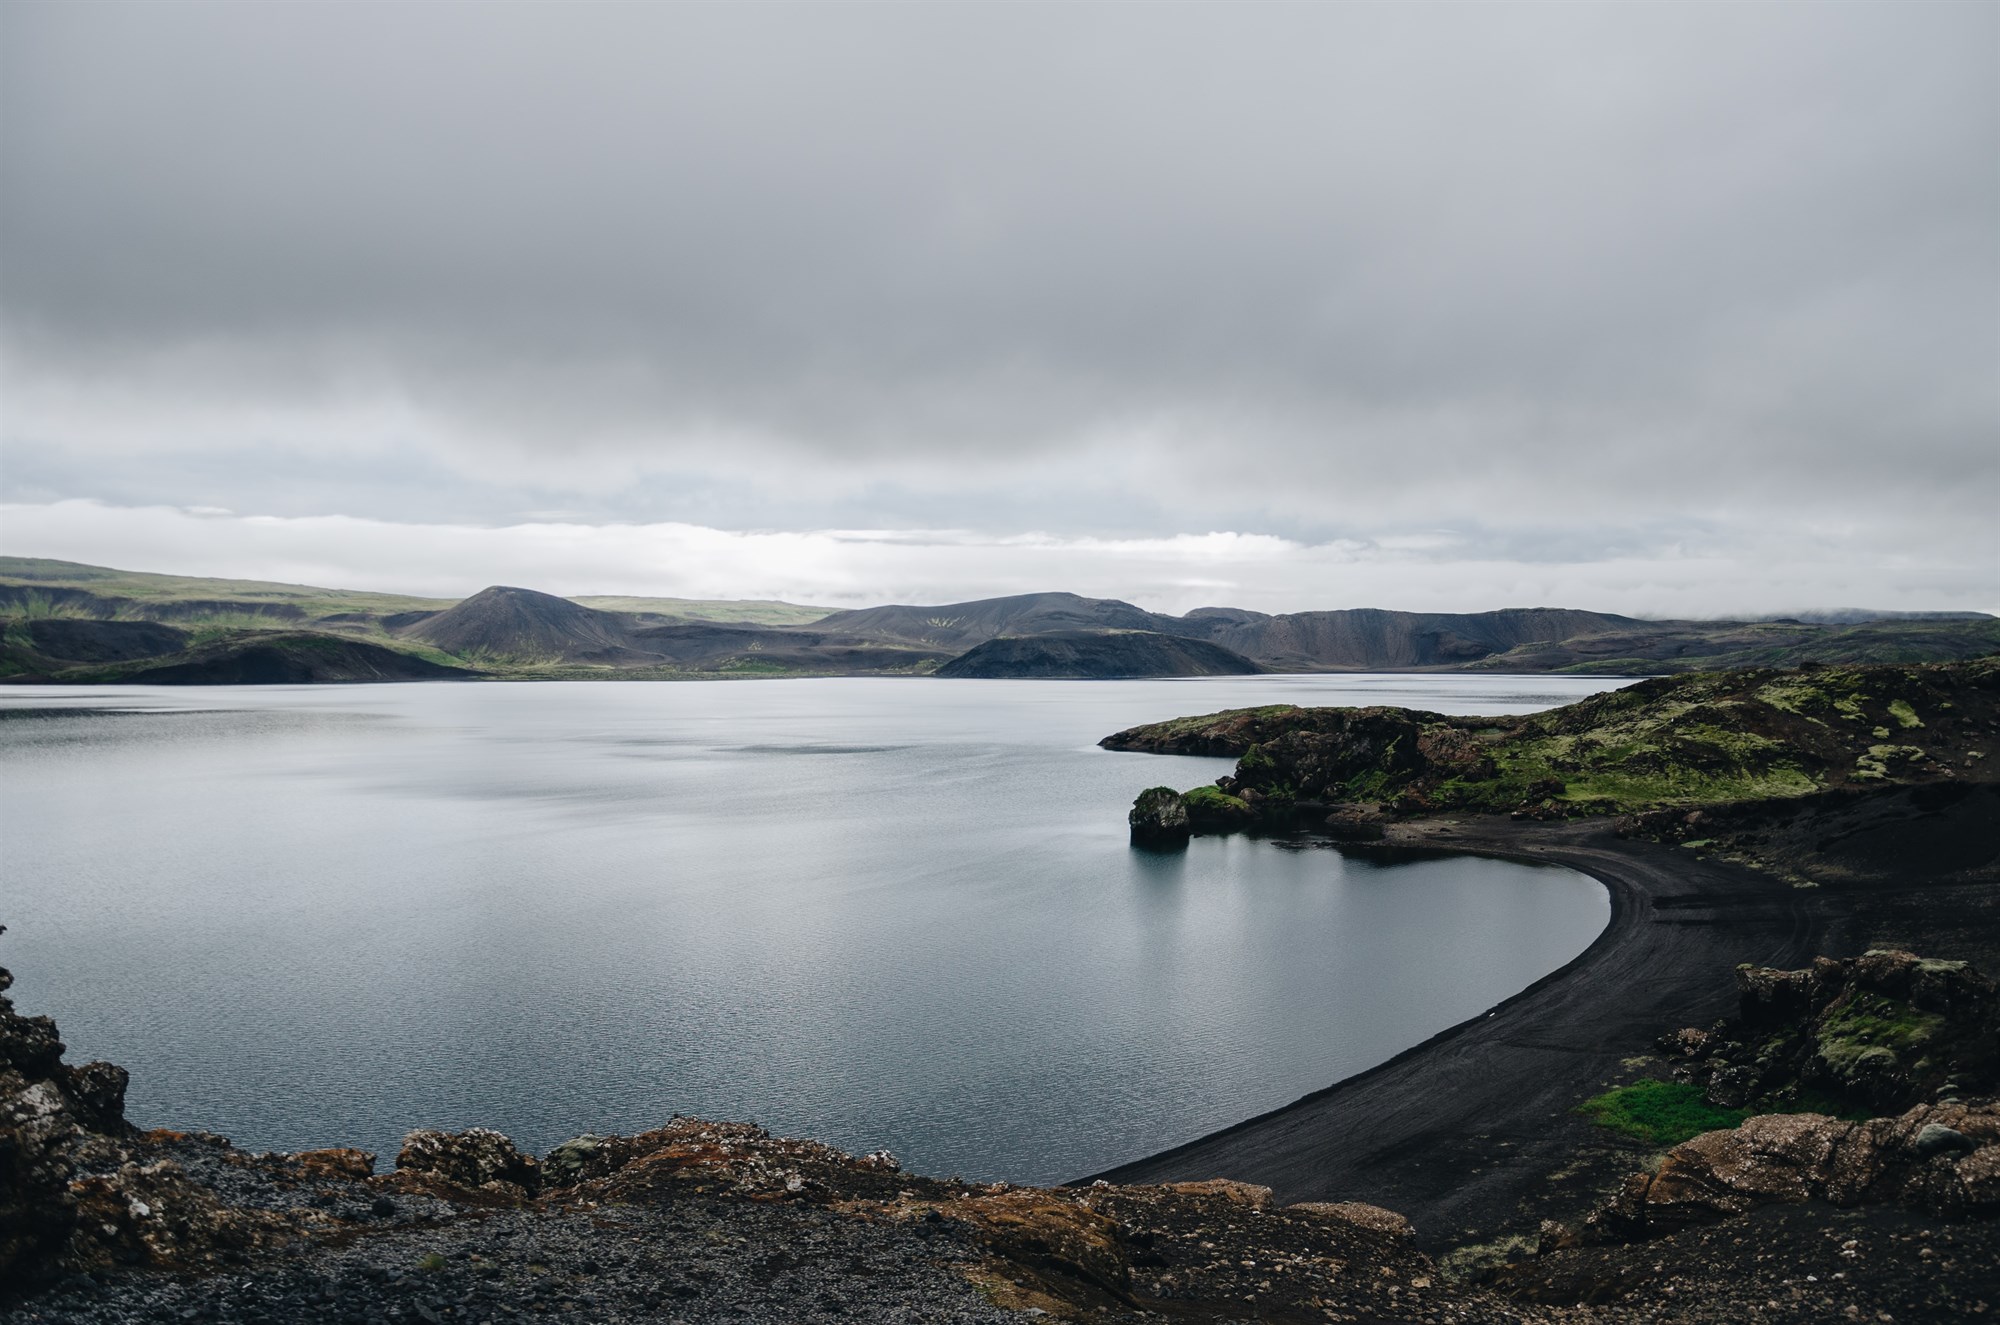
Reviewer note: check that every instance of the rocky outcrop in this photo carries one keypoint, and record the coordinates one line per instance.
(1878, 1033)
(477, 1159)
(49, 1115)
(1941, 1159)
(1159, 817)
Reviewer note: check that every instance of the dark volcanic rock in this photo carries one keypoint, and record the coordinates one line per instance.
(1881, 1032)
(48, 1115)
(1159, 815)
(1088, 655)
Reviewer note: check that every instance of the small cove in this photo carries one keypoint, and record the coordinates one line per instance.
(891, 913)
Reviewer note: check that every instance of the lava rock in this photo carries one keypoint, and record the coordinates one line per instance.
(1158, 816)
(470, 1159)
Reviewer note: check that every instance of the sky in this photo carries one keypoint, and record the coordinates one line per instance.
(1686, 310)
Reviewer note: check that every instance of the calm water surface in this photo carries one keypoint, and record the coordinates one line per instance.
(894, 913)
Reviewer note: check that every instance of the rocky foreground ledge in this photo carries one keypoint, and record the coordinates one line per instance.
(1806, 1217)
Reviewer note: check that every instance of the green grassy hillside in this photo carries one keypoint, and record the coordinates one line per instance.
(1710, 738)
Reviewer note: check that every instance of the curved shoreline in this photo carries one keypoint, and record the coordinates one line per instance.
(1464, 1131)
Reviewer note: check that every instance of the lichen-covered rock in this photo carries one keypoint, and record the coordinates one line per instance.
(1159, 815)
(471, 1159)
(575, 1160)
(80, 1189)
(1880, 1032)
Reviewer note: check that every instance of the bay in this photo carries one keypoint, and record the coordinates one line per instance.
(894, 913)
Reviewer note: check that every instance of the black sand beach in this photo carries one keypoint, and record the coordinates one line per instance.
(1475, 1131)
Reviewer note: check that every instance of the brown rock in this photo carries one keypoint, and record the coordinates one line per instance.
(470, 1159)
(1360, 1214)
(353, 1165)
(1793, 1158)
(1242, 1193)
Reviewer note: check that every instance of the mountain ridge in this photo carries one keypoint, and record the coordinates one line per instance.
(524, 633)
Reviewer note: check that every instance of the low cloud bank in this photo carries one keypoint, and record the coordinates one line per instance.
(848, 568)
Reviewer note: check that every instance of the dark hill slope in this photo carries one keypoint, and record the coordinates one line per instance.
(523, 625)
(708, 646)
(82, 640)
(1369, 638)
(280, 658)
(1097, 655)
(955, 627)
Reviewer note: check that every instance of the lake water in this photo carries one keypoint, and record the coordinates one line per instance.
(878, 912)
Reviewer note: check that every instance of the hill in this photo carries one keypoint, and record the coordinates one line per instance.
(40, 586)
(524, 633)
(1097, 655)
(521, 625)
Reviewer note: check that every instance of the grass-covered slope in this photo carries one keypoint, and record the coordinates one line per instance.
(1696, 740)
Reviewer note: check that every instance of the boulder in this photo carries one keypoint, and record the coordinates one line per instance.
(1159, 817)
(578, 1159)
(470, 1159)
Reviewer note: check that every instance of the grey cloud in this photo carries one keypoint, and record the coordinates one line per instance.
(1315, 265)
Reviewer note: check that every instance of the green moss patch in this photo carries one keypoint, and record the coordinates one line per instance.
(1659, 1113)
(1872, 1031)
(1214, 800)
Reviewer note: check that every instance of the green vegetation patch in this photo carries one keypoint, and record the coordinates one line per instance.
(1214, 800)
(1871, 1028)
(1659, 1113)
(1210, 808)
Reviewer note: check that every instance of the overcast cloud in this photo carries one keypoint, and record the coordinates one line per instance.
(1652, 308)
